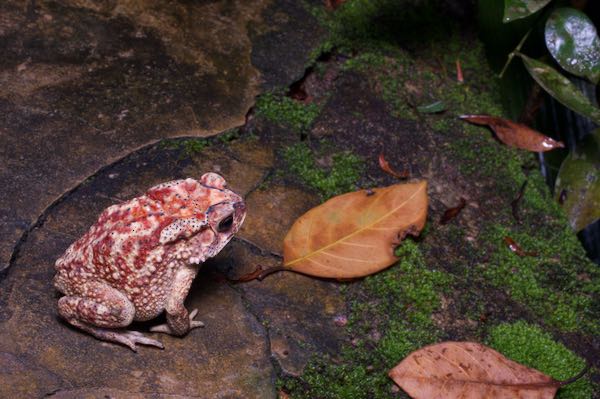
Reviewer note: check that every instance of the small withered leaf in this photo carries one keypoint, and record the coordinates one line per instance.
(453, 212)
(459, 72)
(516, 248)
(385, 166)
(515, 134)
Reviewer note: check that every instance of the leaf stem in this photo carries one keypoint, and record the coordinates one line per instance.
(578, 376)
(270, 270)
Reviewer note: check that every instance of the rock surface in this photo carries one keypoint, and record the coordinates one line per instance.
(82, 84)
(232, 357)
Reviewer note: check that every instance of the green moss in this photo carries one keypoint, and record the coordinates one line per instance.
(559, 287)
(187, 147)
(229, 135)
(286, 111)
(364, 62)
(323, 381)
(559, 298)
(345, 170)
(360, 24)
(387, 70)
(532, 347)
(194, 146)
(538, 201)
(395, 305)
(482, 157)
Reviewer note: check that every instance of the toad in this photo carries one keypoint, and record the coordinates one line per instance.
(141, 256)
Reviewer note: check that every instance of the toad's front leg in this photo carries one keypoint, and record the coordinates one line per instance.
(179, 321)
(99, 309)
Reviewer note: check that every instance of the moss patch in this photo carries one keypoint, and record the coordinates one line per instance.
(395, 321)
(188, 147)
(286, 111)
(558, 285)
(532, 347)
(338, 177)
(390, 314)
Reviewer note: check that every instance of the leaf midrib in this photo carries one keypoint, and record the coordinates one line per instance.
(357, 231)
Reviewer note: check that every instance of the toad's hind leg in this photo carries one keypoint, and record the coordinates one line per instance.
(98, 309)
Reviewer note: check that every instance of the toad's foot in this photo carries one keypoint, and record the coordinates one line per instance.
(124, 337)
(165, 328)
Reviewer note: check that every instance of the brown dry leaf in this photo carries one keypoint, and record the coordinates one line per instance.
(353, 235)
(515, 134)
(516, 248)
(453, 212)
(459, 72)
(385, 166)
(469, 370)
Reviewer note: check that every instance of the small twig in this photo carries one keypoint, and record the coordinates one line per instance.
(442, 66)
(513, 53)
(515, 203)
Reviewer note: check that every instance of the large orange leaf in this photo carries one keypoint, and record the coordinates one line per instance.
(469, 370)
(515, 134)
(354, 234)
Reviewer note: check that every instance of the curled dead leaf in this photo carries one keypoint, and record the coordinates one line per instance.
(469, 370)
(453, 212)
(353, 235)
(516, 248)
(515, 134)
(385, 166)
(459, 72)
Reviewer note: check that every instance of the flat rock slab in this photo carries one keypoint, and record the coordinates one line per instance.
(82, 84)
(283, 319)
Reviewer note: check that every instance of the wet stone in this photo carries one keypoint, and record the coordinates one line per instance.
(229, 355)
(298, 311)
(228, 358)
(83, 84)
(272, 212)
(248, 325)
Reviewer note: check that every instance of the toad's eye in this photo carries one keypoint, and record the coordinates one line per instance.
(225, 224)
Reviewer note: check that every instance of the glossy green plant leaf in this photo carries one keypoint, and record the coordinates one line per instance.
(432, 108)
(561, 88)
(578, 183)
(516, 9)
(572, 40)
